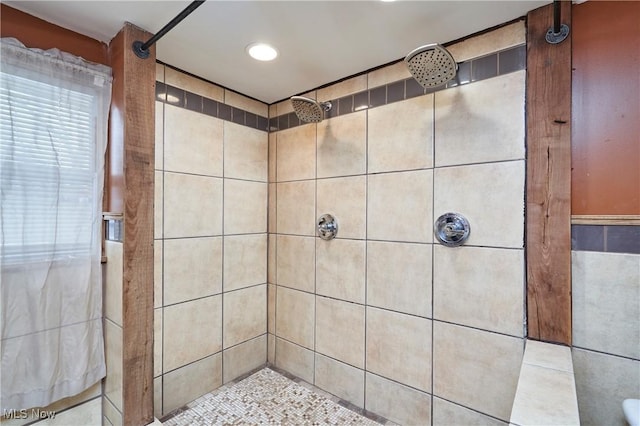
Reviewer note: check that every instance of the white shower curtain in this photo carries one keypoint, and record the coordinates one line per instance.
(53, 126)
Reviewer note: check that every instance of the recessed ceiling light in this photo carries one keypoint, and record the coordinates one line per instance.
(262, 51)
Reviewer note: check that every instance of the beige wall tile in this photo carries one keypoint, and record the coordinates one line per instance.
(272, 110)
(273, 138)
(187, 132)
(296, 153)
(398, 403)
(246, 152)
(245, 314)
(401, 135)
(447, 413)
(192, 268)
(294, 359)
(271, 308)
(239, 101)
(343, 88)
(483, 44)
(159, 136)
(112, 278)
(193, 206)
(399, 206)
(548, 355)
(191, 382)
(157, 397)
(342, 380)
(606, 305)
(295, 316)
(113, 359)
(271, 349)
(481, 122)
(192, 330)
(158, 206)
(272, 210)
(160, 73)
(345, 199)
(340, 330)
(399, 347)
(157, 342)
(296, 208)
(340, 269)
(283, 107)
(389, 74)
(602, 383)
(296, 262)
(243, 358)
(399, 277)
(480, 287)
(245, 261)
(480, 193)
(194, 85)
(86, 414)
(112, 415)
(475, 368)
(342, 145)
(158, 286)
(245, 207)
(271, 254)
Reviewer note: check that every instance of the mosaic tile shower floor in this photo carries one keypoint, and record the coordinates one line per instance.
(268, 397)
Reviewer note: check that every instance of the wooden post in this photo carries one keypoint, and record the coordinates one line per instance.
(132, 142)
(548, 223)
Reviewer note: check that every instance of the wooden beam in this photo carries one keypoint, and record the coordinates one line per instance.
(548, 223)
(132, 128)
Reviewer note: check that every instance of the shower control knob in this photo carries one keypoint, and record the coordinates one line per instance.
(327, 227)
(452, 229)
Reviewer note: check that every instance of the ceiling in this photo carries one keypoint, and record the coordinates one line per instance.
(319, 41)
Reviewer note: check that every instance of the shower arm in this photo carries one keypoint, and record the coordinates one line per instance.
(142, 49)
(559, 31)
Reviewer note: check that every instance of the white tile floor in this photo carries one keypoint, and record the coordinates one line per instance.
(267, 397)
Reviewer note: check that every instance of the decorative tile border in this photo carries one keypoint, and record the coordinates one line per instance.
(493, 65)
(192, 101)
(606, 238)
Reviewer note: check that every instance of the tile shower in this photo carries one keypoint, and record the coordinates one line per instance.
(381, 316)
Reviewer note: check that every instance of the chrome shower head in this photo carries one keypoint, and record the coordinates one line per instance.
(309, 110)
(431, 65)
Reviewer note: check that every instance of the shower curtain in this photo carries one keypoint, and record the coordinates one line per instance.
(53, 125)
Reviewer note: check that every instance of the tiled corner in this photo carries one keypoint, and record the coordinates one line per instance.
(340, 269)
(340, 330)
(481, 122)
(400, 136)
(243, 102)
(342, 380)
(271, 308)
(296, 262)
(245, 261)
(399, 277)
(186, 198)
(405, 197)
(296, 208)
(345, 199)
(271, 208)
(398, 403)
(295, 359)
(245, 314)
(463, 294)
(399, 347)
(184, 81)
(186, 132)
(245, 153)
(271, 349)
(501, 38)
(157, 342)
(273, 138)
(448, 413)
(464, 190)
(243, 358)
(111, 416)
(342, 146)
(245, 207)
(296, 153)
(295, 316)
(157, 398)
(158, 206)
(477, 369)
(343, 88)
(185, 384)
(192, 331)
(159, 137)
(606, 305)
(192, 268)
(271, 259)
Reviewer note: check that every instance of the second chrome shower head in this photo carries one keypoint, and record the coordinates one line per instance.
(309, 110)
(431, 65)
